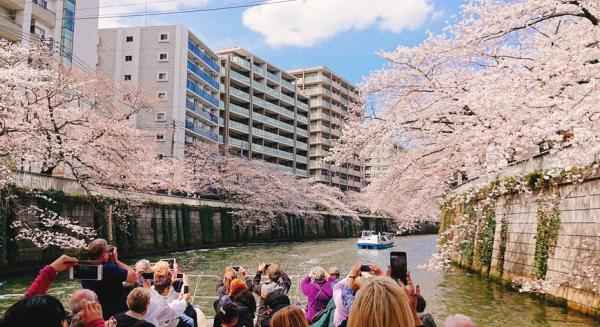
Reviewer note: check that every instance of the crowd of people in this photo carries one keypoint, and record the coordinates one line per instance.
(158, 295)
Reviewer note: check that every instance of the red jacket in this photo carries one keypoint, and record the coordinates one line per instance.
(42, 283)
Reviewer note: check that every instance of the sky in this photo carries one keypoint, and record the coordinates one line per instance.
(344, 35)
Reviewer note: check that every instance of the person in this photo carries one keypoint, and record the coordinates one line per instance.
(273, 303)
(77, 303)
(277, 281)
(382, 303)
(167, 306)
(345, 291)
(231, 273)
(137, 302)
(459, 321)
(228, 315)
(114, 274)
(426, 318)
(333, 274)
(242, 297)
(290, 316)
(140, 267)
(318, 290)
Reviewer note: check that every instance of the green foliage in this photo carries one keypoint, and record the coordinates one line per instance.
(487, 237)
(548, 226)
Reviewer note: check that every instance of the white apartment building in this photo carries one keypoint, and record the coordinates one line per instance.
(176, 69)
(330, 100)
(69, 26)
(263, 117)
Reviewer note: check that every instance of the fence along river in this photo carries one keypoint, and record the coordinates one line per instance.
(458, 292)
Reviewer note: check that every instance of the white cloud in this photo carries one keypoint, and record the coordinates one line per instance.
(120, 7)
(308, 22)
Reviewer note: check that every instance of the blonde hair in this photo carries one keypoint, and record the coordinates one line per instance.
(290, 316)
(274, 272)
(138, 300)
(161, 268)
(143, 266)
(318, 274)
(381, 303)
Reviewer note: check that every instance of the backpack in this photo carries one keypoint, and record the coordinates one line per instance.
(325, 317)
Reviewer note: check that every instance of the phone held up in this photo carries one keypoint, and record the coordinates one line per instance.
(86, 272)
(148, 275)
(398, 265)
(171, 262)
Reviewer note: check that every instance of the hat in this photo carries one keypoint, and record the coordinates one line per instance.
(236, 287)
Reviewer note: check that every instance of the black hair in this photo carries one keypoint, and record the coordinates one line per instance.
(228, 313)
(39, 311)
(421, 304)
(277, 300)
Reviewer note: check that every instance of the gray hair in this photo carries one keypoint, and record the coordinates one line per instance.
(459, 321)
(79, 298)
(143, 266)
(318, 274)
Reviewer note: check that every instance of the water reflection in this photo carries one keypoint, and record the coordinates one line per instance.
(488, 303)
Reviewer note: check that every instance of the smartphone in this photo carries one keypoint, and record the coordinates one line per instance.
(148, 275)
(236, 268)
(86, 272)
(365, 268)
(171, 262)
(186, 289)
(398, 265)
(179, 276)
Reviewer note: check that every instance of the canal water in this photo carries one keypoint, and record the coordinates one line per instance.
(489, 304)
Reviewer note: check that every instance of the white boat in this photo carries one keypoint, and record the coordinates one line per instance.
(371, 240)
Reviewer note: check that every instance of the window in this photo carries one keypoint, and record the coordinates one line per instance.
(161, 116)
(163, 56)
(162, 77)
(161, 95)
(164, 37)
(160, 137)
(129, 38)
(127, 77)
(128, 58)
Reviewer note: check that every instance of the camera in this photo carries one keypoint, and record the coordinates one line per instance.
(86, 272)
(237, 268)
(171, 262)
(148, 275)
(365, 268)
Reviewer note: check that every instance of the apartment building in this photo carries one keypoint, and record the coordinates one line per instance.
(177, 72)
(379, 163)
(263, 116)
(54, 23)
(330, 99)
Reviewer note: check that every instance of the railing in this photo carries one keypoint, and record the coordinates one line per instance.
(302, 105)
(199, 111)
(239, 127)
(322, 140)
(41, 3)
(238, 143)
(272, 92)
(239, 110)
(208, 134)
(240, 77)
(272, 107)
(320, 103)
(272, 137)
(302, 132)
(273, 77)
(259, 70)
(287, 99)
(242, 62)
(203, 75)
(273, 152)
(273, 122)
(259, 86)
(301, 145)
(205, 58)
(317, 79)
(301, 159)
(203, 94)
(302, 119)
(240, 94)
(301, 172)
(288, 84)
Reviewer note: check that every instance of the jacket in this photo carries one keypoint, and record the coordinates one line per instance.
(318, 295)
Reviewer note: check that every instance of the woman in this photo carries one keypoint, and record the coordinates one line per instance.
(345, 291)
(318, 291)
(382, 303)
(290, 316)
(228, 315)
(137, 302)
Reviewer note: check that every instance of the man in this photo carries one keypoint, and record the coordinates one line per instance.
(114, 274)
(167, 306)
(137, 302)
(77, 303)
(459, 321)
(277, 282)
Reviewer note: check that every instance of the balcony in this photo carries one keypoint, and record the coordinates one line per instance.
(239, 77)
(259, 71)
(209, 61)
(242, 128)
(202, 94)
(287, 84)
(260, 87)
(202, 132)
(208, 116)
(9, 29)
(288, 99)
(273, 77)
(203, 75)
(241, 62)
(272, 92)
(272, 122)
(273, 152)
(320, 103)
(272, 137)
(301, 145)
(321, 140)
(301, 172)
(302, 106)
(302, 119)
(301, 159)
(239, 94)
(302, 132)
(239, 110)
(42, 13)
(318, 152)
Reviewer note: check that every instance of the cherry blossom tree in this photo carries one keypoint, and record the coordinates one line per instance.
(506, 77)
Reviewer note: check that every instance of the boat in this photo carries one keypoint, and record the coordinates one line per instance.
(372, 240)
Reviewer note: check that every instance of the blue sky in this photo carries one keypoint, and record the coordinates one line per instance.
(344, 35)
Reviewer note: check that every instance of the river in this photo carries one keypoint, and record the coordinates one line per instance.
(488, 303)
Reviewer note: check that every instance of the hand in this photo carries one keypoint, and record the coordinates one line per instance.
(262, 267)
(243, 272)
(147, 283)
(92, 311)
(110, 322)
(114, 256)
(63, 263)
(186, 296)
(413, 293)
(376, 270)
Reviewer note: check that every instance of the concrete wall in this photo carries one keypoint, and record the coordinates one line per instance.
(514, 252)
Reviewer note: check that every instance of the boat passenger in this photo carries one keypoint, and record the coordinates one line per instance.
(277, 281)
(290, 316)
(318, 291)
(345, 291)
